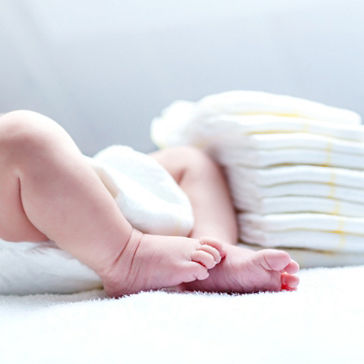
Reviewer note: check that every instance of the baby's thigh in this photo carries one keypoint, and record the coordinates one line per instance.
(24, 135)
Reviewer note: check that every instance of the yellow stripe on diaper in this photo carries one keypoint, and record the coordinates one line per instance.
(328, 150)
(342, 234)
(285, 115)
(332, 184)
(306, 127)
(337, 207)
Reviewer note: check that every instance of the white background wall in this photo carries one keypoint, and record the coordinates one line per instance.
(104, 69)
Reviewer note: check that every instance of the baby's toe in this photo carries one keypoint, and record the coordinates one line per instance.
(272, 259)
(214, 244)
(212, 251)
(204, 258)
(292, 267)
(195, 271)
(289, 282)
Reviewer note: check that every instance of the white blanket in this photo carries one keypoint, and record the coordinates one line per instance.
(320, 323)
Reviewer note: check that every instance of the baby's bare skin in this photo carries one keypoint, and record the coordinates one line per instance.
(49, 192)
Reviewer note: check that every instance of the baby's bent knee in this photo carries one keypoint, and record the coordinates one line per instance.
(194, 159)
(24, 133)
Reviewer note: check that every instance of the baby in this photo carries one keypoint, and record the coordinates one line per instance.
(48, 191)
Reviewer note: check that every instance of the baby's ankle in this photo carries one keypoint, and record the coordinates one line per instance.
(113, 273)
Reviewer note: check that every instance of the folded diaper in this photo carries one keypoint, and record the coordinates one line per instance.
(257, 102)
(293, 204)
(309, 231)
(279, 141)
(302, 221)
(290, 156)
(307, 239)
(146, 194)
(245, 191)
(217, 117)
(296, 173)
(308, 258)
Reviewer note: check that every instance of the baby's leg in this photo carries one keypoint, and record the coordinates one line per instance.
(242, 270)
(205, 185)
(49, 191)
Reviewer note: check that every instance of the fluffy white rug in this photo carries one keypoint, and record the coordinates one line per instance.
(322, 322)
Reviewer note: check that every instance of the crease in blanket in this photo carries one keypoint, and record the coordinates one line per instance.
(295, 169)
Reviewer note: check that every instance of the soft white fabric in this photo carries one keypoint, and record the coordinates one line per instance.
(257, 102)
(302, 238)
(28, 268)
(182, 123)
(146, 194)
(252, 193)
(308, 221)
(279, 141)
(294, 204)
(229, 155)
(310, 258)
(305, 230)
(302, 173)
(320, 323)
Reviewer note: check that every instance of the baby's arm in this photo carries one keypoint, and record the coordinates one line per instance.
(205, 185)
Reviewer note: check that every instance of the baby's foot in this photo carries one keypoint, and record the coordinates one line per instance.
(245, 270)
(152, 262)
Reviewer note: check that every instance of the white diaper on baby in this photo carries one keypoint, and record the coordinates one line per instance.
(146, 194)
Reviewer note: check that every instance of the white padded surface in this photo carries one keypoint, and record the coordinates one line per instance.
(320, 323)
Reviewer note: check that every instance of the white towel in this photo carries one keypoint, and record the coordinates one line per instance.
(147, 195)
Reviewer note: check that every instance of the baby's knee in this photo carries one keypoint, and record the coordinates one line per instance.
(23, 133)
(196, 160)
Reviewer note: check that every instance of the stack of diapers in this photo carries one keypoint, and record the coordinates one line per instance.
(295, 169)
